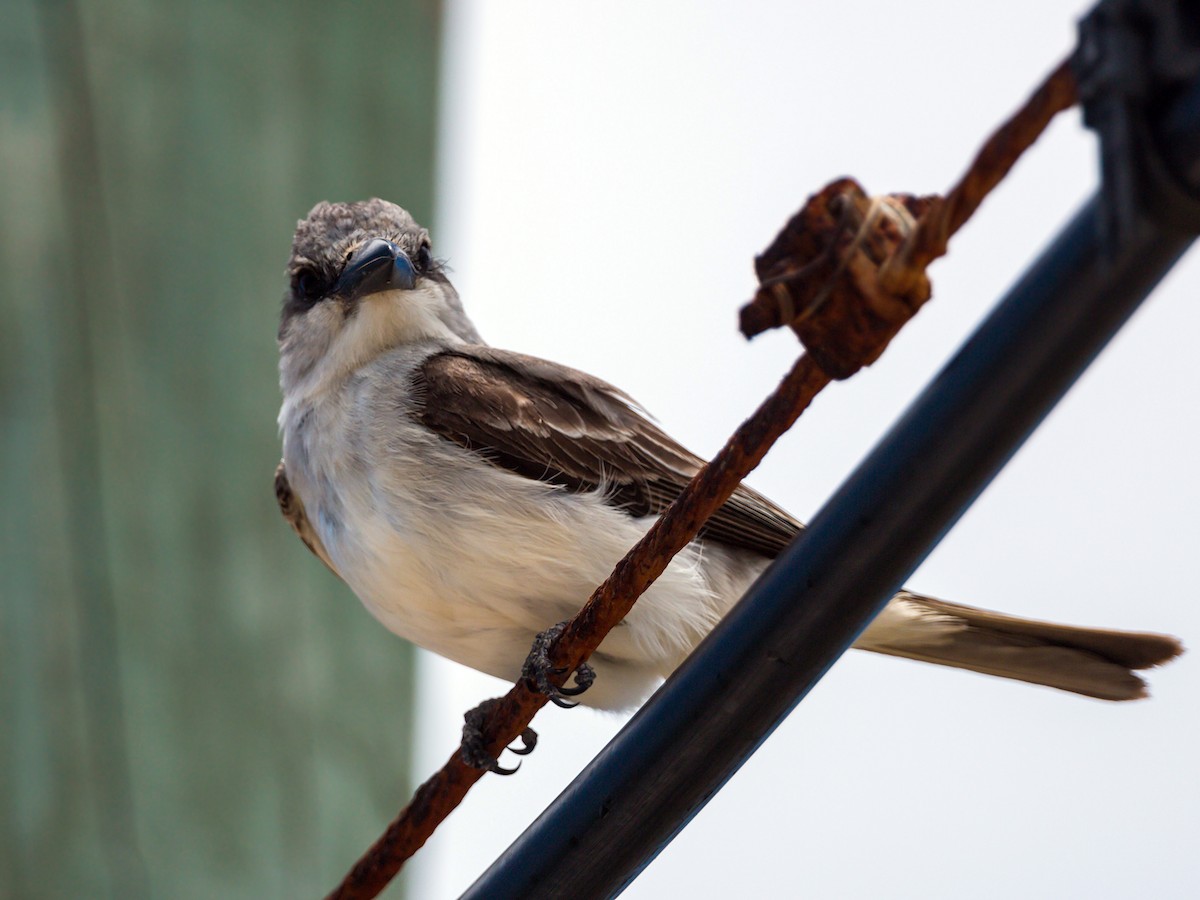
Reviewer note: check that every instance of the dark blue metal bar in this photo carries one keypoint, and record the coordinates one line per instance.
(807, 609)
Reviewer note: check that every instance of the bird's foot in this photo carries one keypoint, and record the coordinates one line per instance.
(538, 671)
(474, 750)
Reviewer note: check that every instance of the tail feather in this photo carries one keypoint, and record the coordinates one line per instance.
(1095, 662)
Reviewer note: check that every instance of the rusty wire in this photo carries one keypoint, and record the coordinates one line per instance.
(1057, 93)
(508, 717)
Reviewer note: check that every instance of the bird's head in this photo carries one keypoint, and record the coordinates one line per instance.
(362, 280)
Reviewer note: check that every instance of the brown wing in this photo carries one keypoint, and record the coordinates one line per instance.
(562, 426)
(293, 513)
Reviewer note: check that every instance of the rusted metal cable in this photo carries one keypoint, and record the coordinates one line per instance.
(998, 155)
(848, 270)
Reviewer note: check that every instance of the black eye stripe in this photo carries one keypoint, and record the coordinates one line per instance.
(309, 285)
(422, 261)
(312, 281)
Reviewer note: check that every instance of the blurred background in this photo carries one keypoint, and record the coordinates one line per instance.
(191, 706)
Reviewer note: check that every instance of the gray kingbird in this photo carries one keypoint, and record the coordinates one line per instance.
(471, 497)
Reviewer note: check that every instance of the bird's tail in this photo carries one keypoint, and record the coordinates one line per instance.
(1096, 662)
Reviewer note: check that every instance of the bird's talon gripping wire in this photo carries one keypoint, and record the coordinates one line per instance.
(538, 670)
(473, 750)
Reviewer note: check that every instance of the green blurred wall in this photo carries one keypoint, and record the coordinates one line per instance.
(190, 705)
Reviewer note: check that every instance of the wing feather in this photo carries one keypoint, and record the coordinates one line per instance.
(558, 425)
(293, 512)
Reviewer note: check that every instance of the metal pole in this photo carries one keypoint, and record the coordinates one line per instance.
(807, 609)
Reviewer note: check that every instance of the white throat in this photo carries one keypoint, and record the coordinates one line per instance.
(322, 349)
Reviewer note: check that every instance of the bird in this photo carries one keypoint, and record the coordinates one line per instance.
(472, 496)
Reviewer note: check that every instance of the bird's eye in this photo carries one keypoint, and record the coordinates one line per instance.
(423, 260)
(308, 285)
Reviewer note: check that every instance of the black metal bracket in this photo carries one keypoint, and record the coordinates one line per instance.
(1133, 58)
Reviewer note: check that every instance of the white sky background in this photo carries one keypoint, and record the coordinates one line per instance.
(608, 172)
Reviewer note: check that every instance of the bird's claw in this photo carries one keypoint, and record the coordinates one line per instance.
(474, 750)
(538, 671)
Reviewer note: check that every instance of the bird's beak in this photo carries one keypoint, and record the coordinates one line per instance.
(377, 265)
